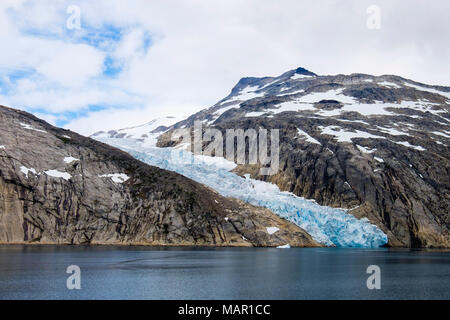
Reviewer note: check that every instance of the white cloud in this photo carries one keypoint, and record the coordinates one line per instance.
(131, 45)
(52, 119)
(70, 65)
(39, 94)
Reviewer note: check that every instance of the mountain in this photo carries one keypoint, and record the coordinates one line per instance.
(57, 187)
(329, 226)
(147, 132)
(376, 144)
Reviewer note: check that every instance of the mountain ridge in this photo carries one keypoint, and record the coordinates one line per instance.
(382, 145)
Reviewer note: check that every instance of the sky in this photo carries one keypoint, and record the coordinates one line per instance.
(106, 64)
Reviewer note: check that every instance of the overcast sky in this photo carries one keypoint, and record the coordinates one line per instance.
(132, 61)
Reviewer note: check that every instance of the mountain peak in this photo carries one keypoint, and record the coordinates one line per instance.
(304, 71)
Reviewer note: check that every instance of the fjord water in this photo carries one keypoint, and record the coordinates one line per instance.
(39, 272)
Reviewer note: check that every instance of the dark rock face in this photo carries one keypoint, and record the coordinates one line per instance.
(379, 145)
(59, 187)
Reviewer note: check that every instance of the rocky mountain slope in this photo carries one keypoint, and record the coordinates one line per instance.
(59, 187)
(378, 144)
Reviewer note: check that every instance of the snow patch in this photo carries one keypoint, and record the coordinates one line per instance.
(70, 159)
(246, 94)
(355, 121)
(380, 108)
(336, 94)
(308, 137)
(272, 230)
(364, 149)
(347, 136)
(25, 170)
(367, 109)
(388, 84)
(292, 106)
(421, 88)
(116, 177)
(407, 144)
(268, 84)
(58, 174)
(441, 134)
(290, 93)
(300, 76)
(392, 131)
(254, 114)
(219, 112)
(29, 127)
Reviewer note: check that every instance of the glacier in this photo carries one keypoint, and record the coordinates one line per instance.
(329, 226)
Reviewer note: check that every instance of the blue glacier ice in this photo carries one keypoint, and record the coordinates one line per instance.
(329, 226)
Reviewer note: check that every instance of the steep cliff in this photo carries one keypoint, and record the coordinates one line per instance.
(59, 187)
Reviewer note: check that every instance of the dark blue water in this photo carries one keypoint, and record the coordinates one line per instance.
(39, 272)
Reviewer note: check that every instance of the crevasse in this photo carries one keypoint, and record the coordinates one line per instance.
(326, 225)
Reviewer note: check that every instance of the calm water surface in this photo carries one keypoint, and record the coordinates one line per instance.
(39, 272)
